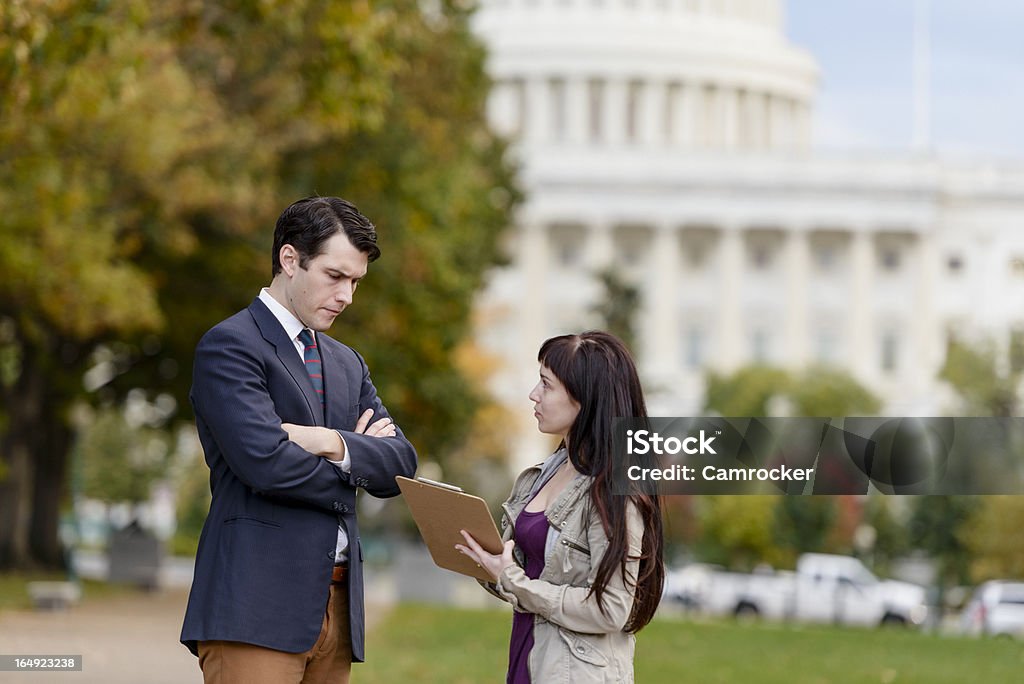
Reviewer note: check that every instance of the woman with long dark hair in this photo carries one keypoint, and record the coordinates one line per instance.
(582, 566)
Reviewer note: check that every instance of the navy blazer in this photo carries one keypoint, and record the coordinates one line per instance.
(263, 568)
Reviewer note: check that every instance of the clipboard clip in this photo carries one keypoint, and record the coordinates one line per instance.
(435, 483)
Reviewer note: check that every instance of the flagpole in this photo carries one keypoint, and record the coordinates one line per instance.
(922, 132)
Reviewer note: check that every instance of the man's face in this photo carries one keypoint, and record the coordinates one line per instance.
(318, 293)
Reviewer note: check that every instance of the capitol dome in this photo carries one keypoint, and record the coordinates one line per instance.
(669, 141)
(715, 74)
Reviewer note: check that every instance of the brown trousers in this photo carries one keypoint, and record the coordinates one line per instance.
(328, 662)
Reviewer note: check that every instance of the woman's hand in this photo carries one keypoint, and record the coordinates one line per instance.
(494, 565)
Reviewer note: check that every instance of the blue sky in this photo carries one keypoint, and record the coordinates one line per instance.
(865, 51)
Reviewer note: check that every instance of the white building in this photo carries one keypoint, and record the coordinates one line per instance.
(671, 138)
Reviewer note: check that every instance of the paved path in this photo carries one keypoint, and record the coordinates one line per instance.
(129, 639)
(123, 640)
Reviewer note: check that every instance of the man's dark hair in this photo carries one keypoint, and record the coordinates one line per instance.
(308, 223)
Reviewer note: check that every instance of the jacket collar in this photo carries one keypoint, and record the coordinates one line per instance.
(535, 477)
(274, 333)
(567, 501)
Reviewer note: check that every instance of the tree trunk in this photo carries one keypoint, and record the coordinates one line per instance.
(49, 484)
(22, 404)
(34, 451)
(14, 501)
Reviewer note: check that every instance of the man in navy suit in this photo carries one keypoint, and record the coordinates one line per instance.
(291, 426)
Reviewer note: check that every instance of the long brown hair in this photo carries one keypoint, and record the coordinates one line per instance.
(598, 372)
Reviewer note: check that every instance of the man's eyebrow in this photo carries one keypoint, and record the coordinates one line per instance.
(331, 270)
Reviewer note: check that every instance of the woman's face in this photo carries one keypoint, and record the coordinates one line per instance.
(553, 408)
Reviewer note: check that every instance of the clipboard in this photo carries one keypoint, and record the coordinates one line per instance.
(440, 511)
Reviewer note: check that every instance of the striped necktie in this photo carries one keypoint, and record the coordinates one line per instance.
(311, 355)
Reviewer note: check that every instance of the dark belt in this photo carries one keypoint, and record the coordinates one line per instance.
(340, 573)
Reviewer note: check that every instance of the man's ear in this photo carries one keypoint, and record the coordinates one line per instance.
(289, 258)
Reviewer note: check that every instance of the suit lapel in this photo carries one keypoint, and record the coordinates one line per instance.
(274, 333)
(335, 382)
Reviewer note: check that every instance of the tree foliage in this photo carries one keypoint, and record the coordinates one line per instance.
(145, 151)
(823, 391)
(762, 390)
(120, 460)
(994, 536)
(986, 385)
(937, 525)
(793, 524)
(889, 533)
(747, 392)
(617, 309)
(737, 531)
(802, 523)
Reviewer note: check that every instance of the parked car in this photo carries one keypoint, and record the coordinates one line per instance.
(825, 588)
(686, 585)
(996, 608)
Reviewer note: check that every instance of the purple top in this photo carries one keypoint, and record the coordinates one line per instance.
(531, 534)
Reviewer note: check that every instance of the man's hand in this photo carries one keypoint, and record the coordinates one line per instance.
(328, 443)
(316, 440)
(381, 428)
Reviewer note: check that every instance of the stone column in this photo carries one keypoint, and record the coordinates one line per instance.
(928, 335)
(861, 339)
(661, 332)
(600, 247)
(577, 110)
(616, 91)
(730, 109)
(729, 342)
(778, 137)
(802, 132)
(684, 113)
(653, 104)
(538, 114)
(535, 262)
(797, 260)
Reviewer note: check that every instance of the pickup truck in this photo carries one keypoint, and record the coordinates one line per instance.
(825, 588)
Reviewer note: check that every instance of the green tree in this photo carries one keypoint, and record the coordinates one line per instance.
(120, 460)
(824, 391)
(145, 150)
(747, 392)
(193, 501)
(756, 390)
(433, 179)
(618, 306)
(994, 536)
(975, 535)
(890, 535)
(937, 526)
(802, 523)
(986, 386)
(94, 112)
(795, 524)
(736, 531)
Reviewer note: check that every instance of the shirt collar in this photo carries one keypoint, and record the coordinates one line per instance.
(292, 325)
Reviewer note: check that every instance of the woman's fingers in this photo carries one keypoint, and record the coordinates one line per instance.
(471, 543)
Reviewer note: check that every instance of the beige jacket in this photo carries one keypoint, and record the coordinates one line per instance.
(573, 640)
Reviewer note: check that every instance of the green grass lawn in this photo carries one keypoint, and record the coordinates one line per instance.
(432, 644)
